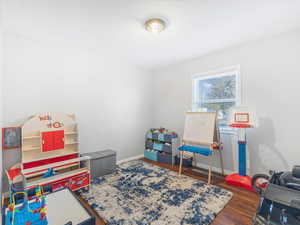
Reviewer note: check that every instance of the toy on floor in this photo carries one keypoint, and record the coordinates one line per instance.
(22, 209)
(242, 118)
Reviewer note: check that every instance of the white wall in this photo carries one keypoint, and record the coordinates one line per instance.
(270, 83)
(60, 58)
(111, 99)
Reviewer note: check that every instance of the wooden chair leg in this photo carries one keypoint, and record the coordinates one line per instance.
(180, 164)
(221, 162)
(209, 173)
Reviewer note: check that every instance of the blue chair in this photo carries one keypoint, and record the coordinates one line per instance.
(201, 136)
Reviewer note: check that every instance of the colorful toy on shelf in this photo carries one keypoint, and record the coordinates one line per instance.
(50, 172)
(242, 118)
(164, 131)
(24, 209)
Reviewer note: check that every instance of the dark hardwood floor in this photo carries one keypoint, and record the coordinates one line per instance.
(239, 211)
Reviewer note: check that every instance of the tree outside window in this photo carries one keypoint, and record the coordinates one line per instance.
(217, 91)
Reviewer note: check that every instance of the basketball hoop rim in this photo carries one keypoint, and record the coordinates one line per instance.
(241, 125)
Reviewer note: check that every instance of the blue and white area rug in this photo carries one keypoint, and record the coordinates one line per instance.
(139, 193)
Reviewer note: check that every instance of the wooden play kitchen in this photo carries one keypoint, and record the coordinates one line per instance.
(50, 154)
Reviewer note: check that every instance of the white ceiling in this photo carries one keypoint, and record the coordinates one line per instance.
(195, 27)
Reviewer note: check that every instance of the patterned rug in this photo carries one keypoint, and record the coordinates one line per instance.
(139, 193)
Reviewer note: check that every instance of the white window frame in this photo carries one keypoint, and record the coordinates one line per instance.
(214, 74)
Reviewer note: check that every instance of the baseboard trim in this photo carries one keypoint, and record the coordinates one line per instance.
(214, 169)
(130, 159)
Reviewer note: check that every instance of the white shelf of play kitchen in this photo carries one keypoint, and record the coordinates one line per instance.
(70, 133)
(31, 137)
(30, 148)
(30, 156)
(72, 143)
(38, 136)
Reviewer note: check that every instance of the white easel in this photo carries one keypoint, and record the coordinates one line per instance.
(202, 137)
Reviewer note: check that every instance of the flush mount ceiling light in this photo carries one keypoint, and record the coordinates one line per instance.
(155, 25)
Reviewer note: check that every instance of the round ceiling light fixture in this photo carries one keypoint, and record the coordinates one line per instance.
(155, 25)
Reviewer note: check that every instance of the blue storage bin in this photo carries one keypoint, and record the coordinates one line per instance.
(164, 158)
(149, 145)
(158, 146)
(161, 137)
(152, 155)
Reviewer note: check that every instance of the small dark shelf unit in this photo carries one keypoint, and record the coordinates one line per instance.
(161, 146)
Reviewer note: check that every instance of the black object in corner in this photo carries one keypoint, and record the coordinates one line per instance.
(186, 162)
(280, 200)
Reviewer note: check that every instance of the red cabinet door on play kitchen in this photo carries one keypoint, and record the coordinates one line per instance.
(47, 141)
(53, 140)
(58, 139)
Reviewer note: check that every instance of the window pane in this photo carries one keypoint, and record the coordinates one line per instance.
(222, 108)
(217, 88)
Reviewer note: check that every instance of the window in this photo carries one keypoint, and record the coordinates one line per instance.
(217, 91)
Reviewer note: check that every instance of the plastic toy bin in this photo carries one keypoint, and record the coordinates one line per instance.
(164, 158)
(150, 154)
(158, 146)
(166, 137)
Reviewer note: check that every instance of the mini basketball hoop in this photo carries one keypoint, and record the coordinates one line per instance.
(241, 118)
